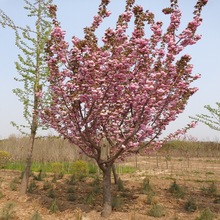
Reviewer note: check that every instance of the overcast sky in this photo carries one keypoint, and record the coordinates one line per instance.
(76, 14)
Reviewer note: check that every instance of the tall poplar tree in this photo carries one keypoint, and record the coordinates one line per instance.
(32, 70)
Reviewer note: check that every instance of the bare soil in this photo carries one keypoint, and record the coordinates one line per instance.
(83, 198)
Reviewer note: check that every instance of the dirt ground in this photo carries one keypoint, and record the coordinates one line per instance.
(63, 199)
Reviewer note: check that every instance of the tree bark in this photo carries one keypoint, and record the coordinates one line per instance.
(115, 174)
(107, 199)
(25, 179)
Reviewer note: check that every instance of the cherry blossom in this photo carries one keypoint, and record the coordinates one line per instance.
(126, 90)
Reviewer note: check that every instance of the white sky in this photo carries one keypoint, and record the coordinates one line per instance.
(75, 15)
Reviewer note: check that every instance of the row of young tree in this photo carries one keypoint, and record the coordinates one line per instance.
(107, 97)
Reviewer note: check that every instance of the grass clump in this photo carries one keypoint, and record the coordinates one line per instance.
(1, 194)
(96, 181)
(217, 200)
(211, 190)
(40, 176)
(146, 187)
(176, 190)
(120, 185)
(71, 197)
(90, 198)
(206, 214)
(151, 198)
(16, 180)
(117, 202)
(157, 211)
(8, 211)
(54, 206)
(51, 193)
(47, 185)
(70, 190)
(190, 205)
(56, 177)
(148, 190)
(96, 185)
(13, 184)
(72, 180)
(36, 216)
(32, 186)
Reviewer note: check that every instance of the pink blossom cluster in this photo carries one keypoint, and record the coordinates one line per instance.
(181, 132)
(126, 91)
(60, 46)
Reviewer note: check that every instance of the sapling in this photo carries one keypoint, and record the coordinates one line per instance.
(32, 71)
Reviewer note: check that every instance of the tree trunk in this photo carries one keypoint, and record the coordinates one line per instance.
(115, 174)
(25, 179)
(34, 125)
(107, 199)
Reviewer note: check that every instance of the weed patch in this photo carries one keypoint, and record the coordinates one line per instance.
(176, 190)
(36, 216)
(211, 190)
(157, 211)
(206, 214)
(54, 206)
(32, 186)
(146, 187)
(190, 205)
(117, 202)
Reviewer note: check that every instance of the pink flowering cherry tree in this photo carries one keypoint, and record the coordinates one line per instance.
(124, 90)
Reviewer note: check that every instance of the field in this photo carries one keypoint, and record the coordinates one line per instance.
(177, 183)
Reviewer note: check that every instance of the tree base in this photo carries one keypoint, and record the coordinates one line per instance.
(107, 210)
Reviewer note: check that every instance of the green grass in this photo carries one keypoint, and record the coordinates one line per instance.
(15, 166)
(125, 169)
(36, 167)
(209, 173)
(48, 167)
